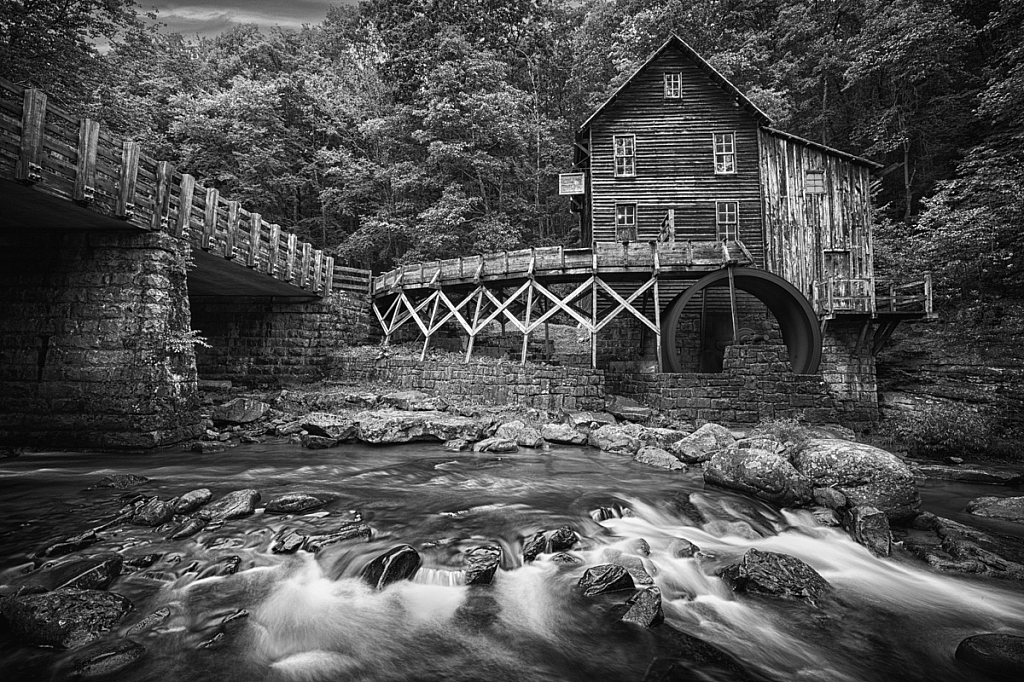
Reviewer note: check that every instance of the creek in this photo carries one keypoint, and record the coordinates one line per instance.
(311, 617)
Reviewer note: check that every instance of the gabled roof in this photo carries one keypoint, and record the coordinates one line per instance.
(678, 43)
(853, 158)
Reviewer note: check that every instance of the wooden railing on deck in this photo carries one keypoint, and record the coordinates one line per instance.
(77, 160)
(840, 295)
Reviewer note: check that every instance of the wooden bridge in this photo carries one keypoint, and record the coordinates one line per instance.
(66, 173)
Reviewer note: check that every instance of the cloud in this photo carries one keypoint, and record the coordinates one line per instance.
(210, 17)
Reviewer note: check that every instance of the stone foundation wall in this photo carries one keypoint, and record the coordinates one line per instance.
(94, 340)
(261, 341)
(849, 370)
(538, 386)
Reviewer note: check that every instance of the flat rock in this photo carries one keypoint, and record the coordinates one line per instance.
(208, 447)
(605, 578)
(189, 528)
(155, 512)
(481, 564)
(412, 400)
(866, 475)
(613, 439)
(644, 609)
(294, 503)
(398, 563)
(1009, 508)
(656, 436)
(681, 548)
(287, 542)
(314, 543)
(995, 653)
(67, 618)
(314, 442)
(521, 433)
(329, 425)
(631, 563)
(628, 409)
(698, 446)
(234, 505)
(496, 445)
(121, 481)
(83, 573)
(239, 411)
(70, 544)
(150, 621)
(761, 473)
(969, 474)
(192, 500)
(586, 422)
(775, 575)
(108, 659)
(395, 426)
(457, 445)
(563, 433)
(658, 458)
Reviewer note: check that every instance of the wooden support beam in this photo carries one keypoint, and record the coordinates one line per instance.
(657, 325)
(255, 227)
(732, 307)
(474, 327)
(127, 177)
(882, 334)
(318, 271)
(29, 168)
(85, 168)
(529, 312)
(329, 276)
(274, 251)
(234, 220)
(436, 295)
(593, 316)
(863, 335)
(161, 219)
(289, 268)
(455, 311)
(210, 218)
(186, 193)
(627, 304)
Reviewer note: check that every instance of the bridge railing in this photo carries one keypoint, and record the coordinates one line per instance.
(842, 295)
(77, 160)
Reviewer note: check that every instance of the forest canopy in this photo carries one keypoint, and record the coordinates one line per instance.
(403, 130)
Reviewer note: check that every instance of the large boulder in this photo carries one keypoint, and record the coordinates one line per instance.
(866, 475)
(496, 445)
(192, 500)
(239, 411)
(628, 409)
(586, 422)
(155, 512)
(869, 527)
(398, 563)
(294, 503)
(698, 446)
(523, 434)
(775, 575)
(329, 425)
(997, 653)
(412, 400)
(658, 458)
(234, 505)
(396, 426)
(644, 609)
(481, 564)
(67, 618)
(1010, 508)
(614, 439)
(761, 473)
(121, 481)
(83, 573)
(563, 433)
(605, 578)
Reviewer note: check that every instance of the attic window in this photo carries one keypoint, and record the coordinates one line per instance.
(814, 182)
(673, 85)
(725, 153)
(625, 155)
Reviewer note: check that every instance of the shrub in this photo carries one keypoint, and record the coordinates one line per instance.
(941, 430)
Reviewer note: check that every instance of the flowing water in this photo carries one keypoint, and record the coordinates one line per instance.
(305, 617)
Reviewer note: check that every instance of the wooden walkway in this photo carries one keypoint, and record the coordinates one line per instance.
(80, 176)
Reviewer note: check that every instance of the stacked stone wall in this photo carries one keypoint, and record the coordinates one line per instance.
(261, 341)
(94, 340)
(538, 386)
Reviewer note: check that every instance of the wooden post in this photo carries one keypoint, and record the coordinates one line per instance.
(255, 226)
(186, 191)
(274, 251)
(162, 199)
(304, 266)
(476, 321)
(229, 238)
(430, 326)
(289, 268)
(210, 218)
(732, 307)
(657, 298)
(126, 180)
(29, 168)
(318, 268)
(85, 168)
(529, 312)
(328, 276)
(928, 305)
(593, 318)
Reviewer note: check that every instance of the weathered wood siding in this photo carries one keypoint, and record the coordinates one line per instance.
(800, 228)
(675, 157)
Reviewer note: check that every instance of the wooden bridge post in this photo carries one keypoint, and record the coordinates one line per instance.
(593, 316)
(476, 321)
(233, 220)
(186, 191)
(304, 265)
(210, 218)
(85, 169)
(29, 169)
(274, 251)
(126, 180)
(732, 306)
(255, 226)
(162, 199)
(328, 276)
(289, 267)
(657, 304)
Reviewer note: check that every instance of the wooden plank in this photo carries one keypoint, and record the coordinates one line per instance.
(234, 220)
(209, 219)
(328, 276)
(318, 270)
(85, 170)
(307, 250)
(289, 270)
(33, 127)
(162, 197)
(274, 250)
(255, 226)
(127, 178)
(186, 194)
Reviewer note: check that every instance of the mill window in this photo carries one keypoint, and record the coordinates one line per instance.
(814, 182)
(673, 85)
(625, 222)
(625, 155)
(725, 153)
(727, 219)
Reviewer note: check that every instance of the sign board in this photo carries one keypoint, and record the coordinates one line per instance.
(572, 183)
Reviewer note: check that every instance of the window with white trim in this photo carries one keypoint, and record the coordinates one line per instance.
(673, 85)
(625, 155)
(625, 222)
(725, 152)
(727, 219)
(814, 182)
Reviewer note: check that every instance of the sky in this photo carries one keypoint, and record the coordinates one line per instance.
(210, 17)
